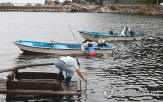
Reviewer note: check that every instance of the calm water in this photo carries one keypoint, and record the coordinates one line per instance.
(133, 67)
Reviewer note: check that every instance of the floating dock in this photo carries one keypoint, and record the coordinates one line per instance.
(36, 83)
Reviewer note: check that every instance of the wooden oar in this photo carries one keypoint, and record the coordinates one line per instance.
(73, 34)
(86, 73)
(24, 66)
(132, 34)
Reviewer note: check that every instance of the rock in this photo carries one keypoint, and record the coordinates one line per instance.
(148, 10)
(112, 7)
(77, 8)
(66, 8)
(106, 9)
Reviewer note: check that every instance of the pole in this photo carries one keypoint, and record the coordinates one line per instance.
(86, 72)
(157, 2)
(73, 34)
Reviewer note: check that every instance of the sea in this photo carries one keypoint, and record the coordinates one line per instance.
(133, 72)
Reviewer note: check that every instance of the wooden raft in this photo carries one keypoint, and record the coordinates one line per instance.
(36, 83)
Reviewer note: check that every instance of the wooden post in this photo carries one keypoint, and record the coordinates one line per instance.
(79, 86)
(12, 75)
(86, 72)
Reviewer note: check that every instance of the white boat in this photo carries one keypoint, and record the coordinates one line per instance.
(34, 47)
(95, 36)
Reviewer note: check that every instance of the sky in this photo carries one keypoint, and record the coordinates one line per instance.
(25, 1)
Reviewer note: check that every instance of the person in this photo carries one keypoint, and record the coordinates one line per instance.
(64, 64)
(85, 46)
(124, 32)
(101, 43)
(132, 33)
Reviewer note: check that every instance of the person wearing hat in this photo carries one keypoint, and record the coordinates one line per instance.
(124, 32)
(102, 43)
(64, 64)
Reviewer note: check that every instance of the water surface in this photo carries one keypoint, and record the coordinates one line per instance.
(135, 66)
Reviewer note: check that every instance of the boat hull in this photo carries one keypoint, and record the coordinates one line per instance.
(108, 38)
(35, 50)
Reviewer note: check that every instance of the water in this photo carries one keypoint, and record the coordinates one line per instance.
(135, 66)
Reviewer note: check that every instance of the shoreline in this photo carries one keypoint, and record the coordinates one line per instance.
(125, 9)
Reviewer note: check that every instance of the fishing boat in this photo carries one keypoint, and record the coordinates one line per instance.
(34, 47)
(108, 36)
(36, 83)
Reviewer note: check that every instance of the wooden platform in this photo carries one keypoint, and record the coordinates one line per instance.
(36, 83)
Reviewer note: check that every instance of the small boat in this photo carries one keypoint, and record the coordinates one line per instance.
(108, 36)
(34, 47)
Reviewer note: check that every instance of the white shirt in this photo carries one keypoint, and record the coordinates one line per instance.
(84, 47)
(124, 32)
(70, 62)
(93, 43)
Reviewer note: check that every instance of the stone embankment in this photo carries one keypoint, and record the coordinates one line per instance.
(146, 9)
(29, 9)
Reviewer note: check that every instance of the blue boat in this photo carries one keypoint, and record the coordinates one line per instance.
(35, 47)
(108, 36)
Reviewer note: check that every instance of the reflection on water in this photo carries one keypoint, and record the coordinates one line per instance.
(42, 98)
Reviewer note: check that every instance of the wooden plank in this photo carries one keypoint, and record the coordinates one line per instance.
(26, 98)
(2, 80)
(33, 85)
(66, 91)
(24, 66)
(74, 88)
(46, 92)
(36, 75)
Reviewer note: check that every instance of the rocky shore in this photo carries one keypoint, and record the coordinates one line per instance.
(145, 10)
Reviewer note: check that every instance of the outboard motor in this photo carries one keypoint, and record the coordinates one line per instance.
(111, 32)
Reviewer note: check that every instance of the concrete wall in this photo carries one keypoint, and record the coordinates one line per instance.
(30, 9)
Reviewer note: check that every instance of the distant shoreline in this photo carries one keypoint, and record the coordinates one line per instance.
(126, 9)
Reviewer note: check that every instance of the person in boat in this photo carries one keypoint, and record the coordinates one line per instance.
(102, 43)
(124, 31)
(64, 64)
(132, 33)
(85, 46)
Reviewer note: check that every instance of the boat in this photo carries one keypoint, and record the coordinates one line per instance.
(34, 47)
(108, 36)
(36, 83)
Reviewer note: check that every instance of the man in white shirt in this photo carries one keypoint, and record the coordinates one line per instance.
(124, 32)
(85, 46)
(64, 64)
